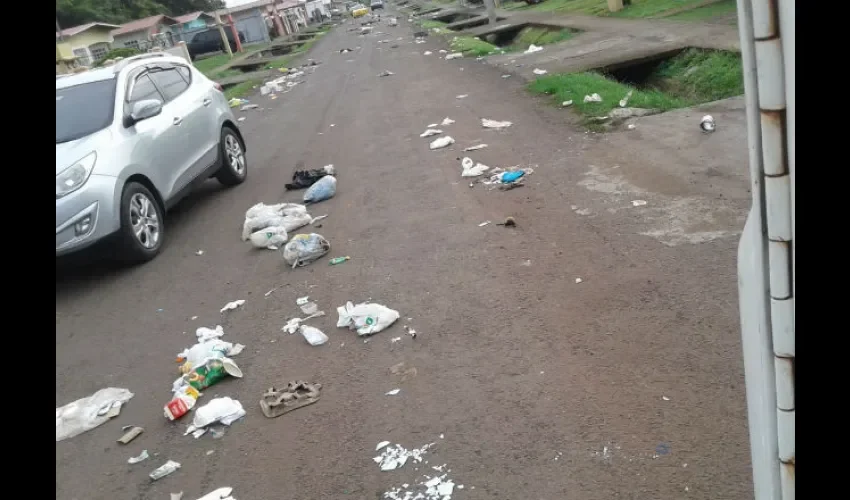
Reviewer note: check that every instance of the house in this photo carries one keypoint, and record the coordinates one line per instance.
(143, 34)
(65, 60)
(249, 20)
(190, 24)
(294, 14)
(88, 42)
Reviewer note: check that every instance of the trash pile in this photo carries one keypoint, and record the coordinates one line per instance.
(87, 413)
(267, 226)
(283, 84)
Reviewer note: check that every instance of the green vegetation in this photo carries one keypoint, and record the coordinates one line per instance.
(538, 36)
(693, 77)
(471, 46)
(209, 65)
(241, 89)
(638, 8)
(429, 24)
(70, 13)
(715, 10)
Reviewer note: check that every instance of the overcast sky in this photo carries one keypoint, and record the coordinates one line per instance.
(234, 3)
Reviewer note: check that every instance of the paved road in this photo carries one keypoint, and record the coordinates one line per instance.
(627, 385)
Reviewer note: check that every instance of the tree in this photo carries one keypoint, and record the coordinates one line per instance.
(76, 12)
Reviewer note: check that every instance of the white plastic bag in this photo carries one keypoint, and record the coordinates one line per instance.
(441, 142)
(224, 410)
(366, 318)
(313, 335)
(295, 221)
(205, 334)
(211, 349)
(321, 190)
(303, 249)
(87, 413)
(471, 169)
(289, 216)
(270, 237)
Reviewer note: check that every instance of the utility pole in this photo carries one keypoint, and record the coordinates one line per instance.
(223, 35)
(491, 11)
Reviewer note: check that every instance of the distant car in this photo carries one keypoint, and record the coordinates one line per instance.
(209, 40)
(132, 140)
(377, 4)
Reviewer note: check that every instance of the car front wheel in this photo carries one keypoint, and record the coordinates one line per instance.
(234, 167)
(142, 224)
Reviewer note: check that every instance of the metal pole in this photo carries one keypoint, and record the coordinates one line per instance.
(491, 11)
(223, 35)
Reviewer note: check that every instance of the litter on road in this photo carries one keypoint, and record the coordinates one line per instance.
(131, 432)
(538, 71)
(475, 148)
(446, 121)
(638, 203)
(487, 123)
(233, 305)
(165, 469)
(431, 131)
(471, 169)
(303, 249)
(338, 260)
(625, 100)
(509, 222)
(427, 53)
(393, 392)
(567, 103)
(533, 48)
(221, 410)
(366, 318)
(462, 96)
(87, 413)
(486, 222)
(707, 124)
(141, 456)
(313, 335)
(321, 190)
(386, 73)
(395, 456)
(306, 178)
(289, 216)
(297, 394)
(593, 98)
(441, 142)
(219, 494)
(454, 55)
(270, 238)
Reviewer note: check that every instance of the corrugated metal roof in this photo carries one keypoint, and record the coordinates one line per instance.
(83, 27)
(142, 24)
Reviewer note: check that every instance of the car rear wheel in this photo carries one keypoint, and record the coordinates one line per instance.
(234, 167)
(142, 224)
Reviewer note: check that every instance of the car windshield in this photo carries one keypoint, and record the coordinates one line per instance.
(84, 109)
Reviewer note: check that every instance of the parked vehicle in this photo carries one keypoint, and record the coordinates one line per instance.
(377, 4)
(209, 40)
(131, 140)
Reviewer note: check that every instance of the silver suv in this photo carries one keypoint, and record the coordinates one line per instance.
(132, 140)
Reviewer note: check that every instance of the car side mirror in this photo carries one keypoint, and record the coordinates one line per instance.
(143, 110)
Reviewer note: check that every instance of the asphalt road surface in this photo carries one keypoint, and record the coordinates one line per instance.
(533, 386)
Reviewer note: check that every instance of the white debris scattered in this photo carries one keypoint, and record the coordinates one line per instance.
(142, 456)
(638, 203)
(506, 76)
(87, 413)
(394, 340)
(395, 456)
(567, 103)
(538, 71)
(442, 142)
(300, 301)
(219, 494)
(579, 280)
(240, 119)
(484, 223)
(233, 305)
(475, 148)
(453, 55)
(446, 121)
(431, 131)
(393, 392)
(665, 398)
(630, 126)
(461, 96)
(431, 488)
(386, 73)
(472, 169)
(487, 123)
(381, 445)
(223, 410)
(594, 97)
(427, 53)
(533, 48)
(625, 100)
(443, 51)
(199, 252)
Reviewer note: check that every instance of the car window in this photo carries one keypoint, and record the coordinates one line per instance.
(185, 72)
(143, 89)
(169, 82)
(84, 109)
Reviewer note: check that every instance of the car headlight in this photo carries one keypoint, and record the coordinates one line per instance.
(73, 177)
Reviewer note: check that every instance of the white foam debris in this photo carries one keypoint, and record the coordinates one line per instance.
(395, 456)
(381, 445)
(432, 488)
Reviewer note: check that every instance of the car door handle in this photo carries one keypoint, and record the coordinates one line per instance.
(178, 120)
(207, 101)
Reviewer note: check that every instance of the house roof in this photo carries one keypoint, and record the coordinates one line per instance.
(246, 6)
(76, 30)
(186, 18)
(143, 24)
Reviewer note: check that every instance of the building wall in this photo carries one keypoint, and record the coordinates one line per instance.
(90, 45)
(142, 39)
(251, 24)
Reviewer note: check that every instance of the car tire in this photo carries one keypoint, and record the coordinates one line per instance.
(231, 152)
(142, 224)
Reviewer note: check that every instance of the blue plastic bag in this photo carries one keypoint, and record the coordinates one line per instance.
(321, 190)
(509, 177)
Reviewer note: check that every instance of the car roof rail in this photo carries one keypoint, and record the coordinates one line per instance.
(124, 62)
